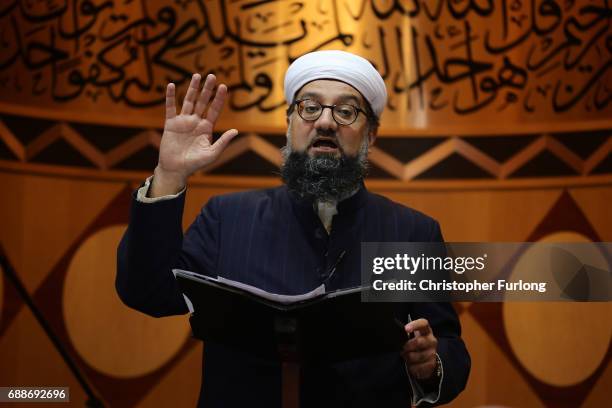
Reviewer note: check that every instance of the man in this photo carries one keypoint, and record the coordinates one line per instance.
(286, 240)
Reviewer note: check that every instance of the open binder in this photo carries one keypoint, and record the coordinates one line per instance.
(315, 327)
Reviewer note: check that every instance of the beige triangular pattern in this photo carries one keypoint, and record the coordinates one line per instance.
(64, 131)
(249, 142)
(131, 146)
(9, 139)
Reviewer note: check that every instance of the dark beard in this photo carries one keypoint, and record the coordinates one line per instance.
(323, 177)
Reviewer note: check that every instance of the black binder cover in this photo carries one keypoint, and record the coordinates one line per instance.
(331, 327)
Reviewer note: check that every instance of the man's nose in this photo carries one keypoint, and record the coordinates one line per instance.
(326, 120)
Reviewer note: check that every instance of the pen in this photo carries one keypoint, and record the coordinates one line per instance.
(333, 268)
(411, 334)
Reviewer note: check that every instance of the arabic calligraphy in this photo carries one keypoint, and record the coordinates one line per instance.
(459, 58)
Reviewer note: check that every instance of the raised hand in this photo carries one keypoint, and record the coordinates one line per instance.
(187, 144)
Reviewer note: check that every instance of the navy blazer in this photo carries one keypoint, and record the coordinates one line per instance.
(272, 240)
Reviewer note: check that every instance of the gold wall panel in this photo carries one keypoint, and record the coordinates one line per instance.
(452, 67)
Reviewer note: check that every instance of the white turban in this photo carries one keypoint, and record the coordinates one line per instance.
(337, 65)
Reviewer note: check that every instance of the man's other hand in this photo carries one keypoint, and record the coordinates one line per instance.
(420, 351)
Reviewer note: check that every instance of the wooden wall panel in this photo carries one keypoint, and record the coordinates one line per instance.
(181, 387)
(600, 395)
(494, 381)
(29, 359)
(41, 216)
(488, 215)
(596, 205)
(482, 215)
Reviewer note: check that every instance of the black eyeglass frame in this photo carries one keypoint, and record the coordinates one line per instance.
(332, 107)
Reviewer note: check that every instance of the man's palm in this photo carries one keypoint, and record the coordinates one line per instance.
(187, 144)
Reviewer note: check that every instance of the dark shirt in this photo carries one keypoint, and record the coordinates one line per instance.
(272, 240)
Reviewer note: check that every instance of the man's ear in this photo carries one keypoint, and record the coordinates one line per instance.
(372, 136)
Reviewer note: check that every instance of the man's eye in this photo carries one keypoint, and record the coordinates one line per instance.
(311, 108)
(344, 111)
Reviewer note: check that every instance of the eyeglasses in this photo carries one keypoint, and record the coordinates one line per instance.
(344, 114)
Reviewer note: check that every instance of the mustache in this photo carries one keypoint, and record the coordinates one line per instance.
(329, 135)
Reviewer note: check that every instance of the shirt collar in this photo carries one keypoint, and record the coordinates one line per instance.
(349, 204)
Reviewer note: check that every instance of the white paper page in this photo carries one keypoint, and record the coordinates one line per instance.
(284, 299)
